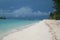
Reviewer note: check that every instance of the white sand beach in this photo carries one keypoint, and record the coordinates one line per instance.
(43, 30)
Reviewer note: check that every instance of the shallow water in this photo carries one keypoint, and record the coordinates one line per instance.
(10, 24)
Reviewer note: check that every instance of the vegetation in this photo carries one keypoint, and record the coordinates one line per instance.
(2, 18)
(56, 13)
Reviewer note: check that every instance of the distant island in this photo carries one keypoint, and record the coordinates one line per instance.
(55, 14)
(2, 18)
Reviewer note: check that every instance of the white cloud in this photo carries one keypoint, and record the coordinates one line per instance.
(26, 11)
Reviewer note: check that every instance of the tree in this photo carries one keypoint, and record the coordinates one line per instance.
(56, 14)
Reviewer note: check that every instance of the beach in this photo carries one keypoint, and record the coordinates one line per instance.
(42, 30)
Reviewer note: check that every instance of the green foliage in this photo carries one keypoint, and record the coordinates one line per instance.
(56, 14)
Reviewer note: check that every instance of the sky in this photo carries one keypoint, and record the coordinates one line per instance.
(26, 8)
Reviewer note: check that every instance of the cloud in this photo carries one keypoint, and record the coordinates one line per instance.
(25, 12)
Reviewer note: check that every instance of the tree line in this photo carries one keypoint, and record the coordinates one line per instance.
(55, 14)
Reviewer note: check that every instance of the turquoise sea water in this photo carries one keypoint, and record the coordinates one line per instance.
(9, 24)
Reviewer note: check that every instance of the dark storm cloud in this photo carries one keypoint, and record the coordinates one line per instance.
(25, 8)
(42, 5)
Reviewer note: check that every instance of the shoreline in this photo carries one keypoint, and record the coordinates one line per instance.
(42, 30)
(17, 30)
(31, 32)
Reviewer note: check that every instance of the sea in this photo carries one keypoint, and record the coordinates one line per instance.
(7, 25)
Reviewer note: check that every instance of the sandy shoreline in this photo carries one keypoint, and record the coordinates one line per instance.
(16, 30)
(39, 31)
